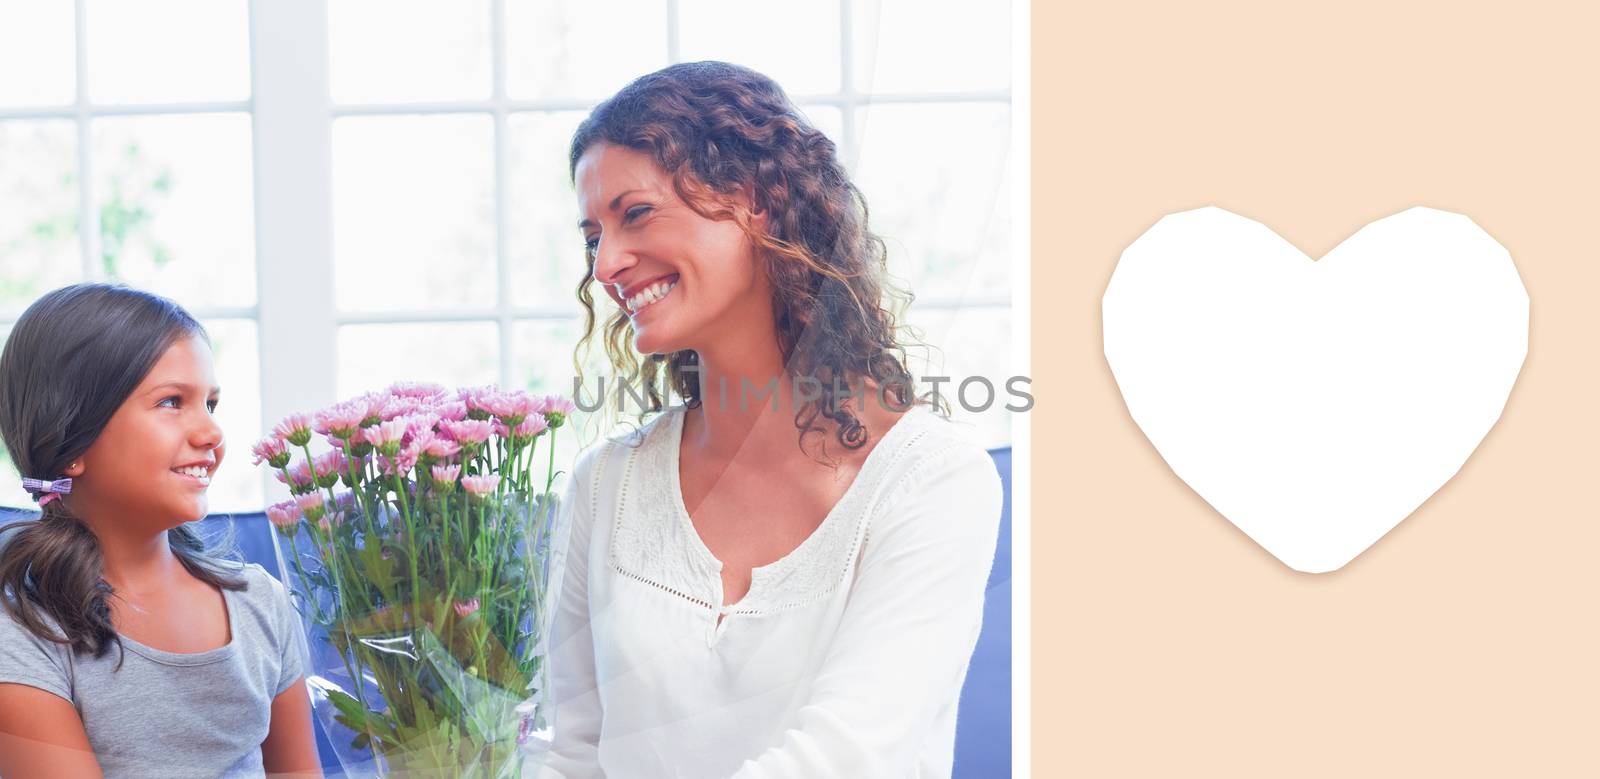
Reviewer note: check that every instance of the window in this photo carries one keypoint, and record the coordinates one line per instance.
(357, 191)
(115, 165)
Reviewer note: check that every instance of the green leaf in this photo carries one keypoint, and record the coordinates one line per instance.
(377, 570)
(348, 706)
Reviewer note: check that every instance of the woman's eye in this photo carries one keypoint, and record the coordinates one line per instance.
(634, 213)
(172, 402)
(211, 405)
(591, 245)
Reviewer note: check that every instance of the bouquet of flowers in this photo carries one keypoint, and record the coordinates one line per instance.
(420, 546)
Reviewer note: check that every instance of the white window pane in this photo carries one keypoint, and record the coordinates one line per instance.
(546, 247)
(569, 49)
(37, 39)
(168, 50)
(934, 177)
(992, 276)
(931, 45)
(830, 120)
(174, 197)
(38, 210)
(413, 212)
(795, 44)
(970, 346)
(236, 351)
(542, 352)
(542, 363)
(454, 354)
(408, 50)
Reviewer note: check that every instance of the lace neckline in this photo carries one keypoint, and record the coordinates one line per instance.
(654, 540)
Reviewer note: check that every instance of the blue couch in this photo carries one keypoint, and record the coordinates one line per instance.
(983, 728)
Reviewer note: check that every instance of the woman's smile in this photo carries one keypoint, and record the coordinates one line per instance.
(647, 295)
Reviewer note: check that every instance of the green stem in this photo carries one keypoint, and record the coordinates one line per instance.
(477, 549)
(311, 468)
(411, 538)
(357, 678)
(444, 548)
(300, 571)
(550, 474)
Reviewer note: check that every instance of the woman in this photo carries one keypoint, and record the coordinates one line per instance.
(766, 580)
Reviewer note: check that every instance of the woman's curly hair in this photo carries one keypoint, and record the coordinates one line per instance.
(719, 130)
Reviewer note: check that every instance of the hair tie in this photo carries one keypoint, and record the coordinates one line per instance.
(46, 491)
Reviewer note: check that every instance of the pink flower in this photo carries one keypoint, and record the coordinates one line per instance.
(284, 515)
(421, 422)
(466, 608)
(416, 389)
(359, 448)
(374, 402)
(299, 476)
(441, 448)
(356, 447)
(539, 404)
(328, 467)
(557, 409)
(446, 473)
(454, 410)
(531, 426)
(311, 506)
(386, 436)
(509, 407)
(345, 501)
(396, 406)
(419, 438)
(331, 462)
(531, 403)
(480, 485)
(399, 463)
(468, 431)
(341, 420)
(471, 395)
(295, 428)
(559, 404)
(271, 450)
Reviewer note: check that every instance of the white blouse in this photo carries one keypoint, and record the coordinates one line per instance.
(846, 657)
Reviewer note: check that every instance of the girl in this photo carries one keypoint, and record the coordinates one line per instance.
(736, 602)
(125, 649)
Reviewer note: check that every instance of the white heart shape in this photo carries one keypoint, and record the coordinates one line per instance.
(1315, 405)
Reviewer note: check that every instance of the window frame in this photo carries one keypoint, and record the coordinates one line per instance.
(292, 117)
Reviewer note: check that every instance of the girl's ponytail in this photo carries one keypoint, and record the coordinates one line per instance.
(51, 567)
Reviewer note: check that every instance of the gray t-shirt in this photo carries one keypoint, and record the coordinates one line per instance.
(167, 714)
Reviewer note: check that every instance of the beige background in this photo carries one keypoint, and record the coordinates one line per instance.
(1465, 643)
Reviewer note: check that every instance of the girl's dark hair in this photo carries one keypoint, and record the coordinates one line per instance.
(73, 357)
(719, 130)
